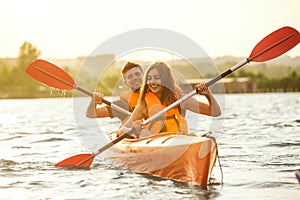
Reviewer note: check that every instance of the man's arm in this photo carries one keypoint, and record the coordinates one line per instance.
(93, 111)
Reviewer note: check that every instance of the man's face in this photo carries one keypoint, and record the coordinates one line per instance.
(133, 78)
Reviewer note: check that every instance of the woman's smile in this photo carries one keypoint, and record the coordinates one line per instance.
(154, 81)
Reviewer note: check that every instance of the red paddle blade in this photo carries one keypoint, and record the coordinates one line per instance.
(275, 44)
(51, 75)
(77, 161)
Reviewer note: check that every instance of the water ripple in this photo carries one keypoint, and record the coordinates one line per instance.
(51, 140)
(259, 151)
(283, 144)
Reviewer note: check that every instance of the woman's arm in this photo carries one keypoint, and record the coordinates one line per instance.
(210, 109)
(214, 107)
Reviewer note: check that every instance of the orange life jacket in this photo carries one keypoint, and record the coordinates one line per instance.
(132, 99)
(173, 120)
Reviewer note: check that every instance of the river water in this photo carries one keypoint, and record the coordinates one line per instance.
(258, 140)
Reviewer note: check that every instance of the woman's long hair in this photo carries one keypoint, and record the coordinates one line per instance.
(170, 91)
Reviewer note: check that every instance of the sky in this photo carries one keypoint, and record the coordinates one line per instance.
(68, 28)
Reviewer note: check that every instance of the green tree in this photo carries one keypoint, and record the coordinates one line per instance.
(4, 81)
(22, 84)
(27, 54)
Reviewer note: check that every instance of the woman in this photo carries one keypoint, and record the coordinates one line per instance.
(158, 91)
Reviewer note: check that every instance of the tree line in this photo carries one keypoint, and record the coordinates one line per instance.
(288, 83)
(15, 83)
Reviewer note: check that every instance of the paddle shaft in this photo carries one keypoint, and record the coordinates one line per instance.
(118, 139)
(107, 146)
(115, 107)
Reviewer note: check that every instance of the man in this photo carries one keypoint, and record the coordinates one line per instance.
(132, 74)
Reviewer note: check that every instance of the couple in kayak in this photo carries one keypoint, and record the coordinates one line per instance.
(149, 96)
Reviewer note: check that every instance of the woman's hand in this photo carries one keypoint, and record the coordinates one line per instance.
(138, 125)
(202, 89)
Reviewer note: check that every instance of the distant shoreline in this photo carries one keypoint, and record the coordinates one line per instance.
(56, 97)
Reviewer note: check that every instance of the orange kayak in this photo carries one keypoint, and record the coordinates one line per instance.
(174, 156)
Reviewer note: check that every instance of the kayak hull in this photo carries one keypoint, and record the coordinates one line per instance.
(185, 158)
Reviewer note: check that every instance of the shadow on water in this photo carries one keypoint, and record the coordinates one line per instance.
(146, 186)
(186, 189)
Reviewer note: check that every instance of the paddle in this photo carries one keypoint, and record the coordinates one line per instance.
(272, 46)
(53, 76)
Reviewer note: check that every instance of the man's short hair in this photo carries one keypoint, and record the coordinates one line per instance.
(128, 66)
